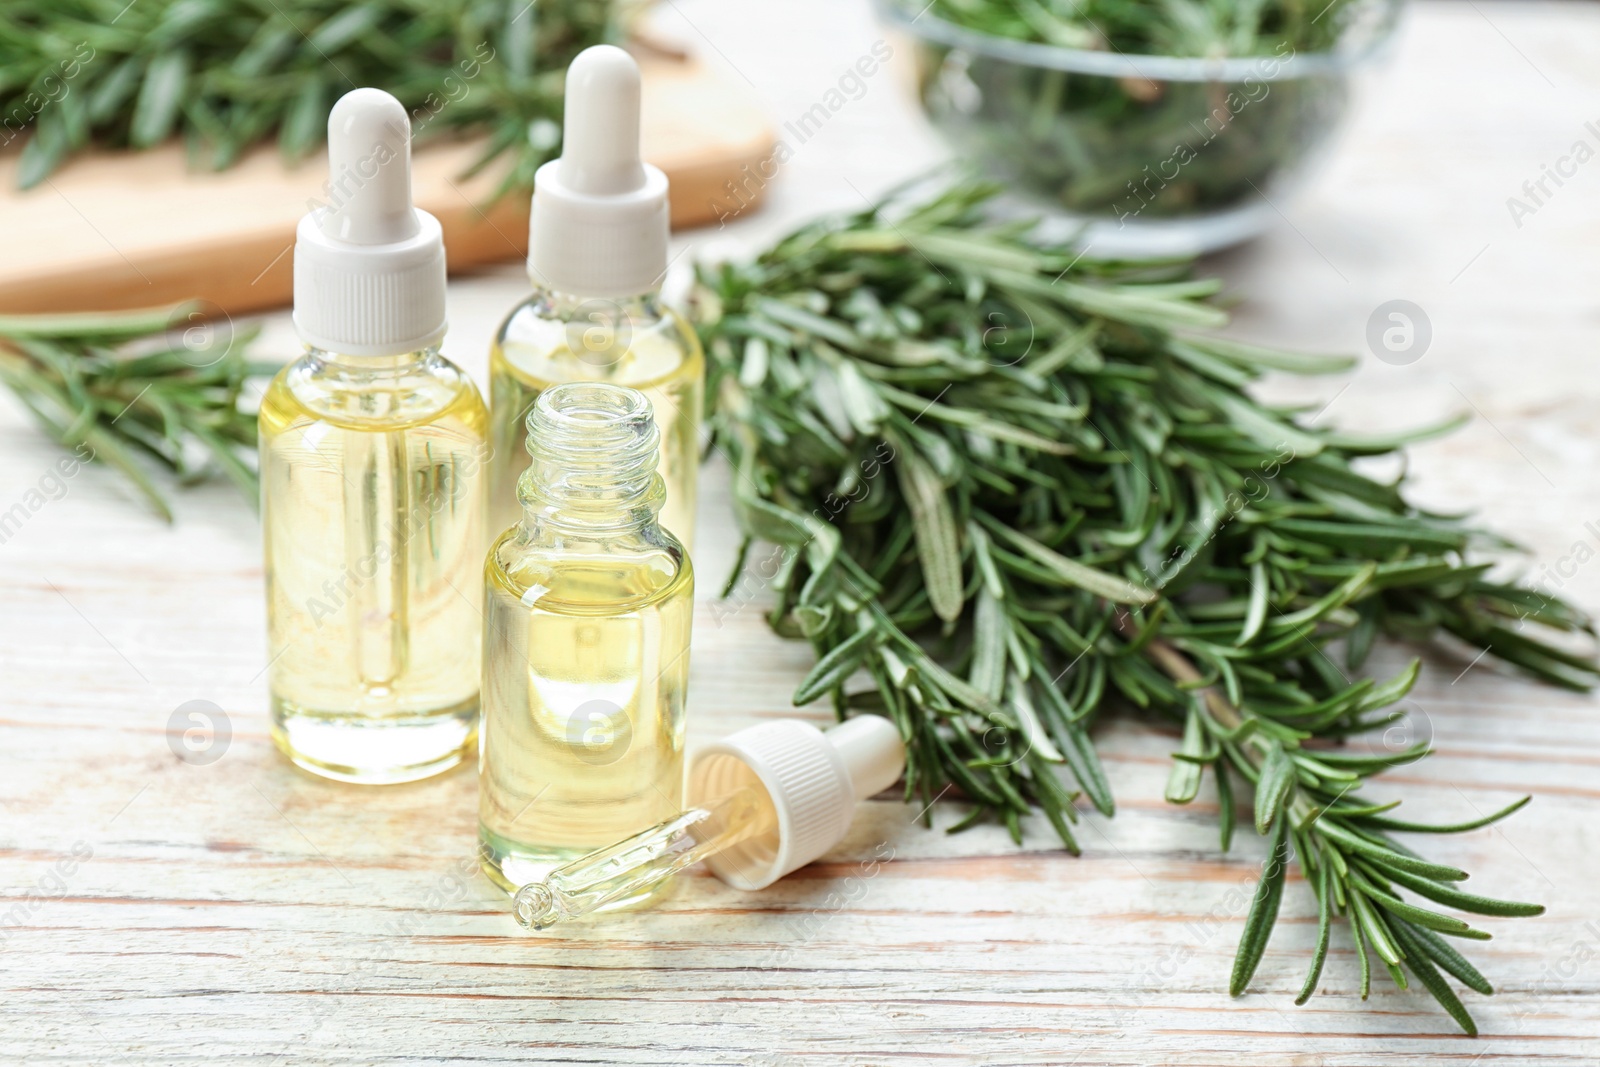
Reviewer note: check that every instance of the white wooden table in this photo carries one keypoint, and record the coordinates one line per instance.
(156, 912)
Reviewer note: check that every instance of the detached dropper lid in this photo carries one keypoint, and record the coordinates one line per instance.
(814, 779)
(369, 268)
(599, 222)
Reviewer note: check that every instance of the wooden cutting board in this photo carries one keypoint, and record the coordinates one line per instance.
(139, 229)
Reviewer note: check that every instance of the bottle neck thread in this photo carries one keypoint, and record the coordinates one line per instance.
(593, 449)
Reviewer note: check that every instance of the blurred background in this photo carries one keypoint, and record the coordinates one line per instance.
(1406, 182)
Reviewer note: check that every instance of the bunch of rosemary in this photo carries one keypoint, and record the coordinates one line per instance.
(228, 73)
(164, 383)
(1013, 489)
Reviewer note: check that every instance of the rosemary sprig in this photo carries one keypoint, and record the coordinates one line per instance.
(162, 382)
(1013, 487)
(226, 74)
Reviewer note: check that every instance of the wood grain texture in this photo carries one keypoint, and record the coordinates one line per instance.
(245, 912)
(142, 229)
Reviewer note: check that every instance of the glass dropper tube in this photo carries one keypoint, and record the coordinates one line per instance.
(637, 864)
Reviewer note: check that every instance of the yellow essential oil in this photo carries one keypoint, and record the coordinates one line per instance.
(373, 517)
(551, 338)
(372, 480)
(586, 643)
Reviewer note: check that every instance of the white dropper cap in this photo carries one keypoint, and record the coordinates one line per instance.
(600, 220)
(814, 779)
(369, 268)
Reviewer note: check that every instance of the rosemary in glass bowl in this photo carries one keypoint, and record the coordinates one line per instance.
(1162, 128)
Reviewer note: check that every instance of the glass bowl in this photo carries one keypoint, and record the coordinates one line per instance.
(1137, 155)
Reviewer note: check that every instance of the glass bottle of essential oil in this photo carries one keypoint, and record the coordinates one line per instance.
(373, 448)
(597, 256)
(586, 642)
(635, 342)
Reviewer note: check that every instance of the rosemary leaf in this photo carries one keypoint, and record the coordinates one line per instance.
(1263, 911)
(1324, 930)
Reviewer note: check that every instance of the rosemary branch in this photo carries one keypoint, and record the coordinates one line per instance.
(1015, 489)
(164, 383)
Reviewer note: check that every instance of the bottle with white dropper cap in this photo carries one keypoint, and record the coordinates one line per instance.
(372, 449)
(597, 257)
(763, 803)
